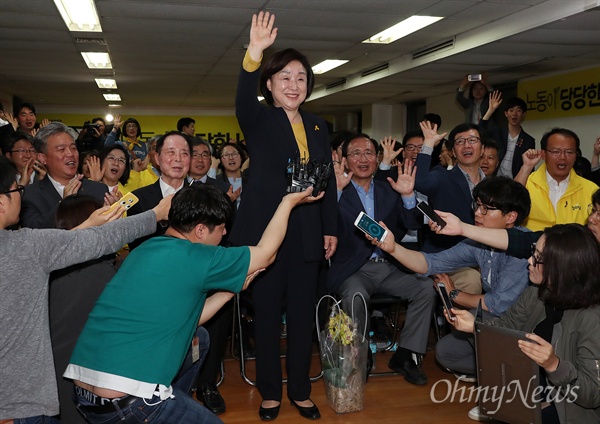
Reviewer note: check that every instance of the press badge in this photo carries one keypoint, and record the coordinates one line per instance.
(195, 349)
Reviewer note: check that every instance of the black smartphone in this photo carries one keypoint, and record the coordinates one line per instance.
(369, 226)
(430, 213)
(441, 288)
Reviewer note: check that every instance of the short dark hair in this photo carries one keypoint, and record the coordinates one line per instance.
(14, 138)
(516, 102)
(412, 134)
(199, 204)
(356, 136)
(8, 175)
(490, 142)
(106, 151)
(161, 141)
(184, 122)
(236, 147)
(340, 137)
(279, 61)
(461, 128)
(434, 118)
(198, 141)
(22, 106)
(596, 197)
(99, 119)
(570, 278)
(74, 209)
(129, 121)
(505, 194)
(562, 131)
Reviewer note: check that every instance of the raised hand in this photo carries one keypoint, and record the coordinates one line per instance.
(233, 195)
(432, 138)
(389, 154)
(44, 122)
(262, 34)
(117, 122)
(93, 163)
(10, 119)
(342, 178)
(40, 170)
(495, 99)
(531, 157)
(405, 183)
(73, 186)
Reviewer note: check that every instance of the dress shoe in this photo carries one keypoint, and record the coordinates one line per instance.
(407, 367)
(310, 412)
(268, 414)
(209, 395)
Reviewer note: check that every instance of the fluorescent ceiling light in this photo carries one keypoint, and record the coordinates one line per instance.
(106, 83)
(115, 105)
(327, 65)
(79, 15)
(97, 60)
(402, 29)
(112, 97)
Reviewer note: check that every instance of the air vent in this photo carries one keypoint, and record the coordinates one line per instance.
(374, 70)
(448, 44)
(336, 84)
(100, 41)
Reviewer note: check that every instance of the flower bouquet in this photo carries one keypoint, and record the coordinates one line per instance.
(343, 360)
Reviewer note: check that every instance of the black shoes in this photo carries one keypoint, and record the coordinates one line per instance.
(209, 395)
(407, 367)
(310, 412)
(268, 414)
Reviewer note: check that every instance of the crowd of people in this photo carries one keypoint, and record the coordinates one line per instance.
(129, 316)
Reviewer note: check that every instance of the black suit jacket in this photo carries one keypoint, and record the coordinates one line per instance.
(447, 191)
(40, 201)
(149, 197)
(271, 143)
(500, 135)
(353, 247)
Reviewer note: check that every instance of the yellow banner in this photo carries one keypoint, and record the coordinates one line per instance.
(571, 94)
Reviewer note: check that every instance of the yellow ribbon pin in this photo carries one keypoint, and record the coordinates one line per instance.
(316, 128)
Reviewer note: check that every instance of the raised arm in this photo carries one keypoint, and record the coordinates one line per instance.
(530, 159)
(411, 259)
(262, 34)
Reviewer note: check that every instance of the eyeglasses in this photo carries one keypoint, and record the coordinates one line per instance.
(369, 155)
(115, 159)
(484, 208)
(559, 152)
(413, 147)
(230, 155)
(592, 211)
(23, 151)
(535, 256)
(19, 188)
(204, 155)
(470, 140)
(130, 126)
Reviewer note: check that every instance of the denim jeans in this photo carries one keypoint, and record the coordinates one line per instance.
(179, 409)
(39, 419)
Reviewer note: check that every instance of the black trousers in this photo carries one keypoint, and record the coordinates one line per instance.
(289, 285)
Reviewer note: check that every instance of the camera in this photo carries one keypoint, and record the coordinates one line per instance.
(88, 125)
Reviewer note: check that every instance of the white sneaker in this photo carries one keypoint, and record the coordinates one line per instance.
(465, 378)
(476, 415)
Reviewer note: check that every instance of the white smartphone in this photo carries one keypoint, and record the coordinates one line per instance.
(441, 288)
(474, 77)
(369, 226)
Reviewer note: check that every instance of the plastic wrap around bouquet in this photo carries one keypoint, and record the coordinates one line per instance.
(303, 173)
(343, 359)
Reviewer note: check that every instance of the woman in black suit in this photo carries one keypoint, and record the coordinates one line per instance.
(276, 133)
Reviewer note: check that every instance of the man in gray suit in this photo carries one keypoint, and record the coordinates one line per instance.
(57, 150)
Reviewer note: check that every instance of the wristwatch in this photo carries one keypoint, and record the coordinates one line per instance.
(454, 293)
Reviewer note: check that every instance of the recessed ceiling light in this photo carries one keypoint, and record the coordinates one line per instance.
(402, 29)
(112, 97)
(327, 65)
(96, 60)
(79, 15)
(106, 83)
(115, 105)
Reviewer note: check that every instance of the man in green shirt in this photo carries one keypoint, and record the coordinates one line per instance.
(137, 336)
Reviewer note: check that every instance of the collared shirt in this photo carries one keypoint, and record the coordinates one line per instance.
(58, 186)
(503, 277)
(167, 189)
(202, 180)
(469, 181)
(505, 169)
(556, 189)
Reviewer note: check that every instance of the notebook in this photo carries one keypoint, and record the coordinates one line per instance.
(507, 378)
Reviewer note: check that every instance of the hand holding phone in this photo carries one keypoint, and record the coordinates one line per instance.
(441, 288)
(474, 77)
(430, 213)
(369, 226)
(126, 201)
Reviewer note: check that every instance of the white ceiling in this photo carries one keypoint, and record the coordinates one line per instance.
(186, 54)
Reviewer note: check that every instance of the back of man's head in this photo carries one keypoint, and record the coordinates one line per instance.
(505, 194)
(8, 174)
(40, 141)
(184, 122)
(199, 204)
